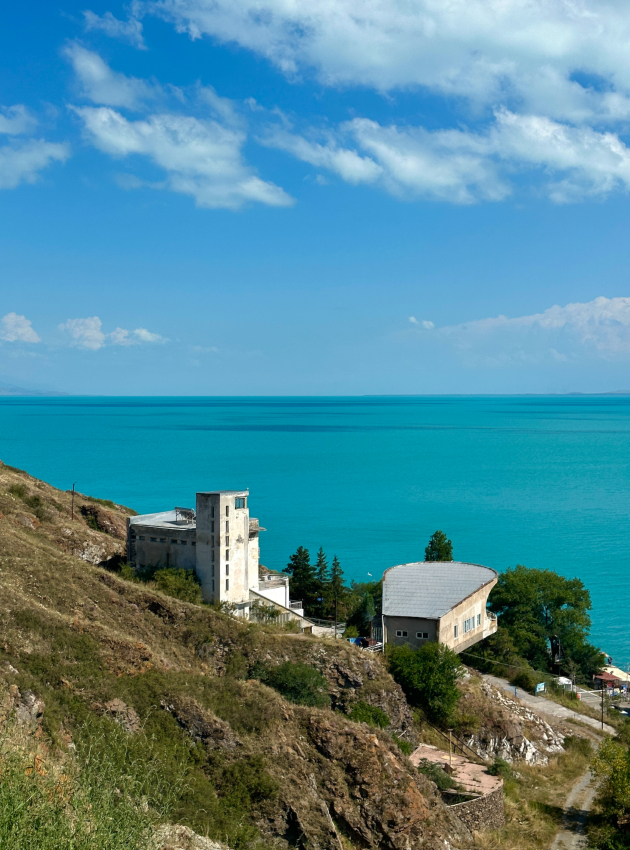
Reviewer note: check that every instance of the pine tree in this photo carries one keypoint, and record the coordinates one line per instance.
(303, 584)
(323, 581)
(440, 548)
(337, 590)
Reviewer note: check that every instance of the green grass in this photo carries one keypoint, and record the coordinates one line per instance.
(298, 683)
(362, 712)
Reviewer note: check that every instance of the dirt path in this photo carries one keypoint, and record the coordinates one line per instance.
(572, 835)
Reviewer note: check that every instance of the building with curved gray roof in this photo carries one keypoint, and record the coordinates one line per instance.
(441, 601)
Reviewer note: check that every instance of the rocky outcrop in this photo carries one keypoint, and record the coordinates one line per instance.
(177, 837)
(103, 520)
(521, 735)
(28, 708)
(124, 714)
(202, 725)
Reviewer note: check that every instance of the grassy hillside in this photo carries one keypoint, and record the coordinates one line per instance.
(166, 702)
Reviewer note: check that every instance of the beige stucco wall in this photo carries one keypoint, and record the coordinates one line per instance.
(472, 606)
(222, 529)
(154, 547)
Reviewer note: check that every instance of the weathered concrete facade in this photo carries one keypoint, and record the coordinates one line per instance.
(221, 542)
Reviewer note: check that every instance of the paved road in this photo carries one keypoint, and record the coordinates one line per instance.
(572, 836)
(547, 707)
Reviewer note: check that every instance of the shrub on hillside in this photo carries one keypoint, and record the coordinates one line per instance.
(436, 774)
(182, 584)
(370, 714)
(429, 677)
(297, 683)
(404, 746)
(525, 679)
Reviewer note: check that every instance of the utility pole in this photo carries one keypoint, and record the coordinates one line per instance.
(73, 500)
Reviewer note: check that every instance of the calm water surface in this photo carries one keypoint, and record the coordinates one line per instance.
(542, 481)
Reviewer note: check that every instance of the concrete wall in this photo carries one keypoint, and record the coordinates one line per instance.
(277, 592)
(253, 559)
(482, 812)
(148, 546)
(223, 546)
(411, 625)
(471, 607)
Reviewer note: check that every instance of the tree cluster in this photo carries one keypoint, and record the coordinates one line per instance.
(318, 586)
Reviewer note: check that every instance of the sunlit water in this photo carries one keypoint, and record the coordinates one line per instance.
(541, 481)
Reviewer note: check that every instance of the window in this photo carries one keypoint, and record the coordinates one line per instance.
(173, 540)
(141, 537)
(213, 585)
(239, 503)
(400, 633)
(227, 554)
(227, 510)
(212, 513)
(154, 540)
(183, 542)
(469, 625)
(455, 631)
(194, 543)
(227, 569)
(213, 575)
(227, 584)
(162, 539)
(212, 526)
(478, 619)
(422, 635)
(227, 527)
(213, 554)
(227, 541)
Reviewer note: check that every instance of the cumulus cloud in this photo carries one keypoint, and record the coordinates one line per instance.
(598, 328)
(100, 84)
(15, 328)
(21, 162)
(199, 157)
(16, 120)
(129, 30)
(87, 333)
(487, 50)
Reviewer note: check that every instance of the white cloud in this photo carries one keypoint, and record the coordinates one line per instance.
(491, 51)
(596, 329)
(201, 158)
(21, 162)
(88, 333)
(462, 166)
(129, 30)
(17, 328)
(102, 85)
(16, 120)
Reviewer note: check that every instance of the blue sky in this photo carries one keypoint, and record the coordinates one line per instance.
(268, 197)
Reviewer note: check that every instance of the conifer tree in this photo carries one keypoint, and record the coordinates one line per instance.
(440, 548)
(303, 585)
(323, 581)
(336, 588)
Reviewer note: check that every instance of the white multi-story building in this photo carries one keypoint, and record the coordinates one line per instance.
(221, 542)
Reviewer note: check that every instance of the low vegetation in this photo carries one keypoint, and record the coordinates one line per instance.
(429, 677)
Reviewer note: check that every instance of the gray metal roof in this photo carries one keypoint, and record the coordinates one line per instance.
(429, 589)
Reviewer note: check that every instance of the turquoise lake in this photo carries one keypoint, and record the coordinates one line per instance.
(541, 481)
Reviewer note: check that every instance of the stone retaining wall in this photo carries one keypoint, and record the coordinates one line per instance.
(483, 812)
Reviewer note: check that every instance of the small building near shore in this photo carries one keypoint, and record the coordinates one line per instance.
(438, 601)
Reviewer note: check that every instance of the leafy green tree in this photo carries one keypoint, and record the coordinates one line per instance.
(322, 573)
(440, 548)
(540, 609)
(429, 677)
(303, 583)
(611, 766)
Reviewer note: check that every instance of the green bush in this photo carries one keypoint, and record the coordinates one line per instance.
(525, 679)
(370, 714)
(429, 677)
(298, 683)
(182, 584)
(351, 632)
(403, 746)
(579, 745)
(436, 774)
(18, 490)
(500, 767)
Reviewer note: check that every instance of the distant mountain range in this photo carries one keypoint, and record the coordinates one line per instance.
(12, 390)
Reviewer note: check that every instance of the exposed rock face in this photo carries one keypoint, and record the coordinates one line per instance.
(203, 725)
(177, 837)
(29, 708)
(124, 714)
(522, 735)
(105, 521)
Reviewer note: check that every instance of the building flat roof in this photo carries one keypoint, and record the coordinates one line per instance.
(223, 492)
(428, 589)
(164, 519)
